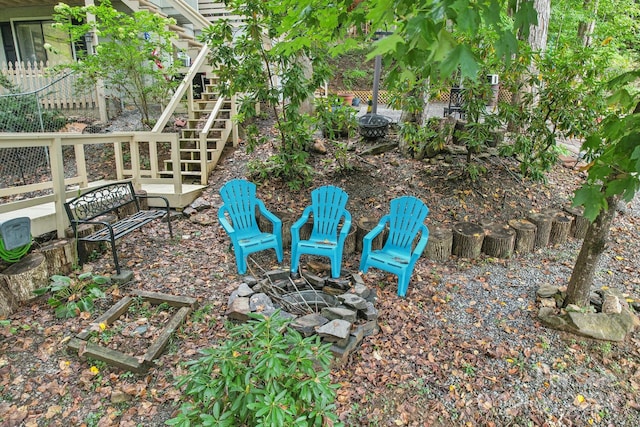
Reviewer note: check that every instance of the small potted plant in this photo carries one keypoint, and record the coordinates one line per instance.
(349, 80)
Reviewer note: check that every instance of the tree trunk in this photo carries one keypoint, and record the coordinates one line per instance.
(538, 33)
(585, 29)
(499, 241)
(593, 246)
(525, 235)
(538, 38)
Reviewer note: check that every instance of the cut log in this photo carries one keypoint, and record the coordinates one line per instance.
(287, 219)
(467, 240)
(84, 230)
(525, 235)
(365, 225)
(350, 241)
(439, 243)
(8, 302)
(543, 222)
(499, 241)
(60, 256)
(22, 278)
(560, 228)
(580, 224)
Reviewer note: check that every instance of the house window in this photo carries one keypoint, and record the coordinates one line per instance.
(32, 36)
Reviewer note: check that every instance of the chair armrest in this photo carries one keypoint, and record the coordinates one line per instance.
(277, 222)
(346, 227)
(295, 228)
(422, 243)
(224, 221)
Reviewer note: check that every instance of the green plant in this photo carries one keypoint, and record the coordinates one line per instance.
(72, 295)
(605, 347)
(275, 41)
(336, 118)
(354, 76)
(22, 112)
(265, 374)
(133, 57)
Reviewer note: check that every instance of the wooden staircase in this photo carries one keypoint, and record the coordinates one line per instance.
(209, 126)
(200, 142)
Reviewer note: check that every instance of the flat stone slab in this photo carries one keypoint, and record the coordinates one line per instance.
(353, 300)
(335, 330)
(332, 313)
(308, 324)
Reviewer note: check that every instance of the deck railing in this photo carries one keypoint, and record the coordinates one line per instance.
(137, 156)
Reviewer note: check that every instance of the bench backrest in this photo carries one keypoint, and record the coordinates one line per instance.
(100, 201)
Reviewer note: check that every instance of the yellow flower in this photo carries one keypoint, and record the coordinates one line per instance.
(94, 370)
(102, 326)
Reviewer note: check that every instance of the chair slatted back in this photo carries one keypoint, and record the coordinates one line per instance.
(328, 204)
(239, 198)
(406, 217)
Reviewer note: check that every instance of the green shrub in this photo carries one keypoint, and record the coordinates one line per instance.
(336, 119)
(72, 295)
(265, 374)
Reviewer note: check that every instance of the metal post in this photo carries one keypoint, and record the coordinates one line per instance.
(376, 84)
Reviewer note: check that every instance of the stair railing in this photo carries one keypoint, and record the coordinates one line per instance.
(196, 65)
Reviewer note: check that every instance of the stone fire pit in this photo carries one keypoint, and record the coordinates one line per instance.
(341, 311)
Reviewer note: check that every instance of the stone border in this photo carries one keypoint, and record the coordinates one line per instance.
(344, 326)
(118, 359)
(608, 317)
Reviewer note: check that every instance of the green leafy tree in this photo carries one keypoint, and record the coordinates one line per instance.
(571, 76)
(613, 174)
(273, 59)
(133, 58)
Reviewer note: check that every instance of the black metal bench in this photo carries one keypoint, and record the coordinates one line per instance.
(118, 198)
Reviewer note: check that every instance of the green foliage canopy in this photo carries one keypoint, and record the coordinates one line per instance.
(134, 56)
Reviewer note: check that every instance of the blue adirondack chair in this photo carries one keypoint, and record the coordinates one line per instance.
(328, 206)
(397, 256)
(237, 216)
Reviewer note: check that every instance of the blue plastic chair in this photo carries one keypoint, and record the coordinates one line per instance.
(397, 256)
(328, 206)
(239, 204)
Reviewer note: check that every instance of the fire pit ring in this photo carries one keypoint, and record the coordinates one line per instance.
(311, 298)
(373, 126)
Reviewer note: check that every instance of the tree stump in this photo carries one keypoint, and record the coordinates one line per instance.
(365, 225)
(580, 224)
(23, 277)
(306, 229)
(543, 223)
(467, 240)
(287, 219)
(60, 256)
(499, 241)
(84, 230)
(525, 235)
(439, 244)
(560, 228)
(350, 241)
